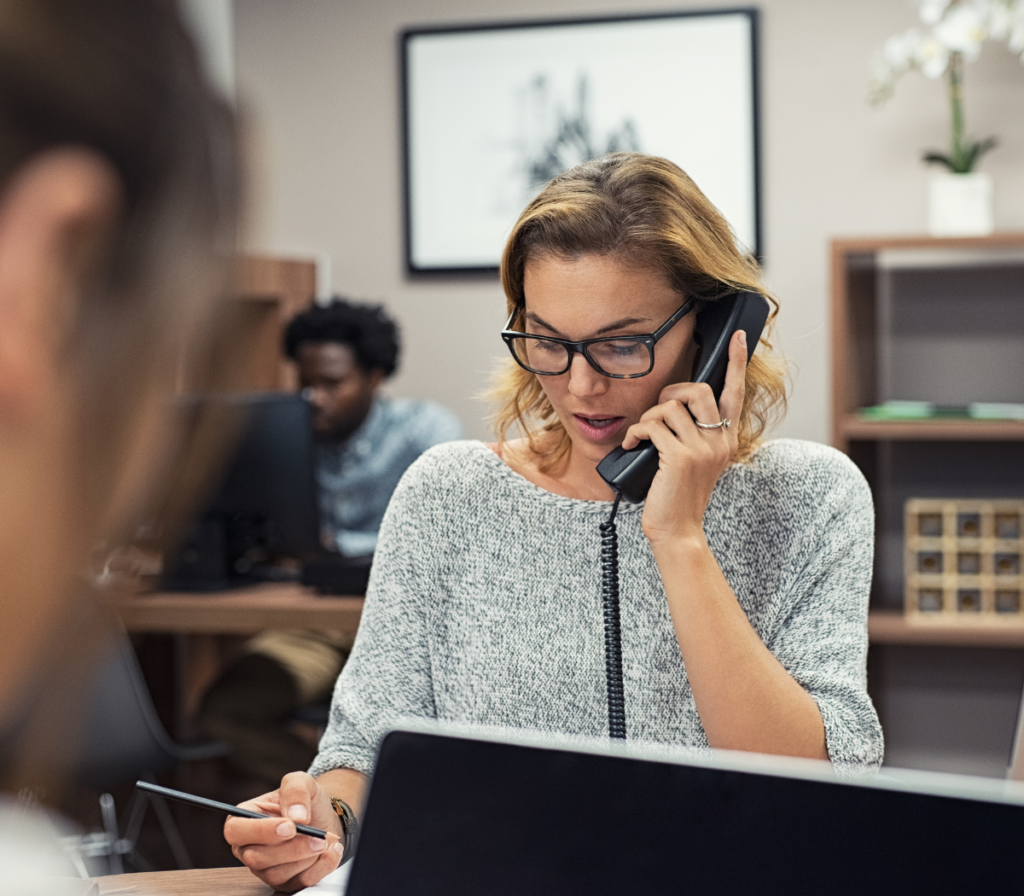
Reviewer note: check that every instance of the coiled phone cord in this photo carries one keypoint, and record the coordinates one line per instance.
(612, 631)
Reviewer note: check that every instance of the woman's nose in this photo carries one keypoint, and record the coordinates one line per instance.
(584, 380)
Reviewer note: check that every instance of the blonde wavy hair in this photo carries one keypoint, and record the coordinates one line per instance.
(646, 211)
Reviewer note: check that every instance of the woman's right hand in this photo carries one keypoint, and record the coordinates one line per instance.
(273, 850)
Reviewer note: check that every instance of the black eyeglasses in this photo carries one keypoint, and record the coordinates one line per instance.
(620, 357)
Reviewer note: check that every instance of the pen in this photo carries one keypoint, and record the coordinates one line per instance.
(218, 806)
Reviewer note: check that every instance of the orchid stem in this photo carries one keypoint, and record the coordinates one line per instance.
(956, 108)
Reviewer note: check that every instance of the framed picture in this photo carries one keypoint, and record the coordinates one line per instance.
(492, 112)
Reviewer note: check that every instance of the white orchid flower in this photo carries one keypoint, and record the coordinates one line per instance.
(932, 58)
(962, 31)
(900, 51)
(933, 10)
(955, 27)
(1016, 39)
(999, 17)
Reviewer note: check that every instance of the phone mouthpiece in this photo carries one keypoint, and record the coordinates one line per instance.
(630, 473)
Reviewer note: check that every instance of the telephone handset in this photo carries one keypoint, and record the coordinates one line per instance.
(630, 473)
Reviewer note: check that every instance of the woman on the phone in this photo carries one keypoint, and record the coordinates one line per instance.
(744, 575)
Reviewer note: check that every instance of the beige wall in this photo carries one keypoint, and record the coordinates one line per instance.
(212, 24)
(319, 80)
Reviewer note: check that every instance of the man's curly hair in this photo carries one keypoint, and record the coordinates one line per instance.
(372, 335)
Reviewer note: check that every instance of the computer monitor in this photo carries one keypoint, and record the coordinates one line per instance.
(262, 508)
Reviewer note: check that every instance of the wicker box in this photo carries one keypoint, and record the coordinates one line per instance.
(963, 559)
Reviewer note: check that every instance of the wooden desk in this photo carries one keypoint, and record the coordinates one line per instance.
(244, 611)
(200, 882)
(204, 620)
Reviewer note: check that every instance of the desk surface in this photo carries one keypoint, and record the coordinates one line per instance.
(244, 611)
(200, 882)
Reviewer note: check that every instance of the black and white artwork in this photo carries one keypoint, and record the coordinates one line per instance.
(493, 113)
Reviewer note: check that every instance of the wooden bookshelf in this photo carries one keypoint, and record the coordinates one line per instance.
(271, 291)
(939, 320)
(263, 295)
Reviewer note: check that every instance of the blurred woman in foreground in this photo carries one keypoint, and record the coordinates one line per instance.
(117, 182)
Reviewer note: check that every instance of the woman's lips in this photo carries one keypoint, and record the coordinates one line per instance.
(598, 428)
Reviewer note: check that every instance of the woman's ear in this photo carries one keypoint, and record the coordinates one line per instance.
(56, 213)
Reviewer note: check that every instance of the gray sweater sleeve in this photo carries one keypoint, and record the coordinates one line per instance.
(387, 676)
(823, 639)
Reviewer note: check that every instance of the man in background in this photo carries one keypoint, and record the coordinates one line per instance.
(364, 443)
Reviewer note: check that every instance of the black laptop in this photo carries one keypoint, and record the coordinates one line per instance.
(470, 816)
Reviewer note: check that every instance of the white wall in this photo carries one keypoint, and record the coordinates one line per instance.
(319, 80)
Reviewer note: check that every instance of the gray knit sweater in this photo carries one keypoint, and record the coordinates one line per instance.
(484, 605)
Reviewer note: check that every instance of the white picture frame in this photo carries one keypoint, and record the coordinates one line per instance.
(491, 112)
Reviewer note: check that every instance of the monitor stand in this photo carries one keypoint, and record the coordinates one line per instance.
(216, 557)
(331, 573)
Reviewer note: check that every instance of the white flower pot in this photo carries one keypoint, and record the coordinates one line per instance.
(960, 204)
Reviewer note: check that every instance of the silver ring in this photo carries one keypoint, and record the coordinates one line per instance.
(724, 423)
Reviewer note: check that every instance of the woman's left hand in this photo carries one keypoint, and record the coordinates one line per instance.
(690, 459)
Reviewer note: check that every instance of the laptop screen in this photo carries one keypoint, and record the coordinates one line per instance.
(462, 816)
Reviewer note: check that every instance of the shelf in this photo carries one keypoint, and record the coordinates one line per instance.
(902, 328)
(891, 627)
(854, 427)
(1006, 239)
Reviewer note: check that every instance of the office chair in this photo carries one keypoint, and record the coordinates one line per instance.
(124, 740)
